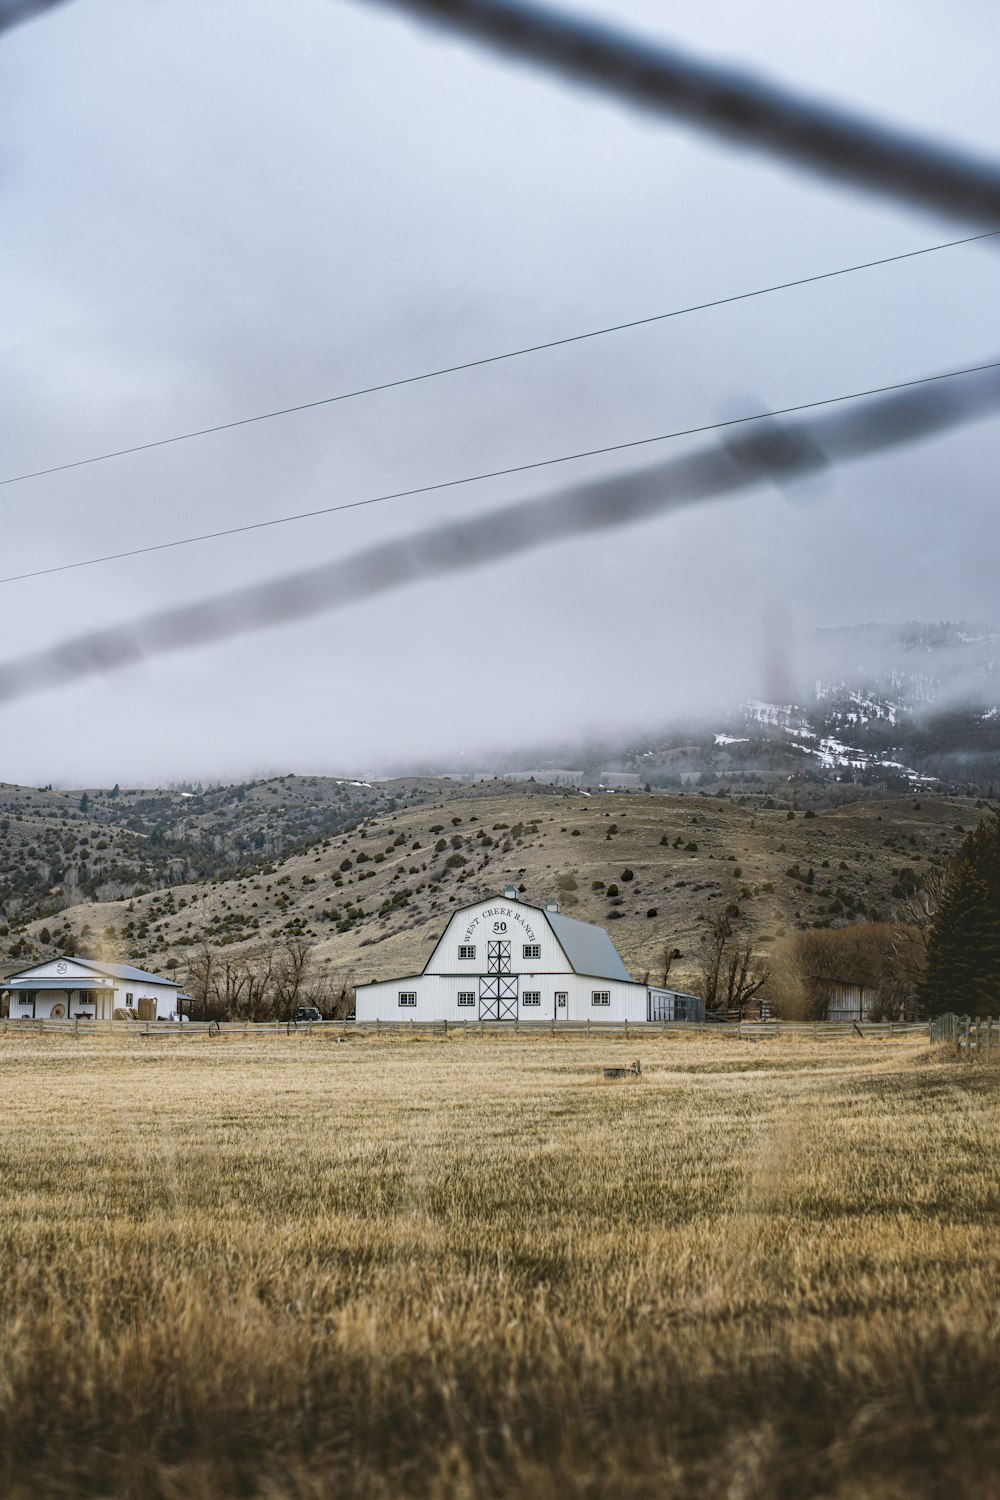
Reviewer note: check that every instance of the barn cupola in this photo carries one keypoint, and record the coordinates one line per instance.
(552, 906)
(510, 892)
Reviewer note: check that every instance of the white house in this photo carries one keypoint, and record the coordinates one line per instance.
(504, 960)
(62, 988)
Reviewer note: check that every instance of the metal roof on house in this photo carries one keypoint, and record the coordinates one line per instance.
(588, 948)
(126, 971)
(113, 971)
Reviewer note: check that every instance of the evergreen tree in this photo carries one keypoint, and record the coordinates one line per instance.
(84, 802)
(963, 951)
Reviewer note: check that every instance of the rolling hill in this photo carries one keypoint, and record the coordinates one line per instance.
(653, 867)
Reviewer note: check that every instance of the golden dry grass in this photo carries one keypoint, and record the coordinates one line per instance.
(471, 1267)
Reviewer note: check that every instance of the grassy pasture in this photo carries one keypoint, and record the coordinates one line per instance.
(290, 1267)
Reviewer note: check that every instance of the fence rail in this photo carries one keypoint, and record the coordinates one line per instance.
(970, 1034)
(741, 1030)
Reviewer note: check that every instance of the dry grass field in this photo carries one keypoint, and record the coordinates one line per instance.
(291, 1267)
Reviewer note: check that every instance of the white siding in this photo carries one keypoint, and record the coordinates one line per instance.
(83, 991)
(437, 999)
(498, 920)
(63, 969)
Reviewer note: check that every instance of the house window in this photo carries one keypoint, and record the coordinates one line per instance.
(561, 998)
(601, 997)
(466, 950)
(128, 997)
(532, 950)
(531, 997)
(466, 997)
(408, 997)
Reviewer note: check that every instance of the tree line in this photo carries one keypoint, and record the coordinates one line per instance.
(941, 954)
(267, 982)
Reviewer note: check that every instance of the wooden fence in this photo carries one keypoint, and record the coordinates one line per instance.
(970, 1034)
(754, 1031)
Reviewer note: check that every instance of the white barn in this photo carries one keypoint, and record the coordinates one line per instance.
(63, 988)
(503, 959)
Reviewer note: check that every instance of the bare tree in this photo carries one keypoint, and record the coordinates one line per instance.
(200, 979)
(731, 973)
(290, 974)
(666, 960)
(342, 994)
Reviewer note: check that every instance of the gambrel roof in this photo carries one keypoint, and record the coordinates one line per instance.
(588, 948)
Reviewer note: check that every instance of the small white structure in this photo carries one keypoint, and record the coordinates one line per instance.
(63, 988)
(848, 1000)
(504, 960)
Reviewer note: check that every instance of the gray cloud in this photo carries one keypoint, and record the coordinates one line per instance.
(215, 210)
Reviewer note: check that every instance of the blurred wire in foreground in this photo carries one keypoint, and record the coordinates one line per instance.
(13, 12)
(735, 105)
(770, 451)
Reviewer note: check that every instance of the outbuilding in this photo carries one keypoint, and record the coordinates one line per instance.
(503, 959)
(64, 988)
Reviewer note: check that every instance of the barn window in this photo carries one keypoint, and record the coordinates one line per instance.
(531, 997)
(408, 997)
(561, 998)
(532, 950)
(601, 997)
(466, 997)
(466, 950)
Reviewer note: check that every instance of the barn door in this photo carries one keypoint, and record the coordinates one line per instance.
(498, 988)
(498, 997)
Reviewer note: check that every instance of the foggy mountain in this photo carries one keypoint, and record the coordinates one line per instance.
(876, 706)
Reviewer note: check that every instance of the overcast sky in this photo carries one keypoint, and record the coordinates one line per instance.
(213, 209)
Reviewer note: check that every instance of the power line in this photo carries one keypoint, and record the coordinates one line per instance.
(735, 105)
(494, 359)
(769, 453)
(541, 463)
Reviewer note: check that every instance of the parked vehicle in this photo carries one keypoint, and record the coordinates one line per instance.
(308, 1013)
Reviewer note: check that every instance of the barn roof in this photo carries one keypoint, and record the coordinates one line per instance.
(588, 948)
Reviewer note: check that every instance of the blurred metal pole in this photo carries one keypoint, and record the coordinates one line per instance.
(13, 12)
(767, 452)
(739, 107)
